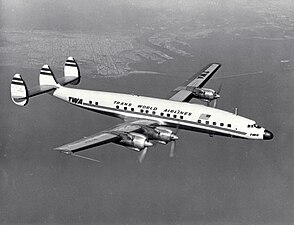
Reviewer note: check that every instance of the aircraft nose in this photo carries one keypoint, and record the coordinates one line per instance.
(267, 135)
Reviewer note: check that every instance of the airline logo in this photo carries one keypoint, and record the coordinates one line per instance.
(75, 100)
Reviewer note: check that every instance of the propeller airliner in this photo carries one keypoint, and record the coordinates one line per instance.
(145, 120)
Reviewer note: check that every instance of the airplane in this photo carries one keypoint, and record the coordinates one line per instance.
(146, 120)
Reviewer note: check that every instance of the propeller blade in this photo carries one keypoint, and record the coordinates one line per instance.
(217, 96)
(143, 154)
(215, 103)
(219, 88)
(178, 126)
(173, 143)
(172, 149)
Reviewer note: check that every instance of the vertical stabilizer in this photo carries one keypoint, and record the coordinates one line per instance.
(47, 77)
(19, 91)
(71, 72)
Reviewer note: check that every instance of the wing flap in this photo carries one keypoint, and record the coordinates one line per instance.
(182, 96)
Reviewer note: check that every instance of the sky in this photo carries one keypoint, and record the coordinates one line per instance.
(210, 180)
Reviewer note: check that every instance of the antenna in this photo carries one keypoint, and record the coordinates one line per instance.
(236, 111)
(83, 157)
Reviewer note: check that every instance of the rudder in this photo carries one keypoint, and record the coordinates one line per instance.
(46, 76)
(71, 72)
(19, 91)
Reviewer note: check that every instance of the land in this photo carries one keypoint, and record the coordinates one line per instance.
(112, 53)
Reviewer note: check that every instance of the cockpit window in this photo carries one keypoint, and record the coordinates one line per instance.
(253, 125)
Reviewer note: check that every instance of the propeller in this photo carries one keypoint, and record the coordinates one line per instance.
(143, 154)
(173, 143)
(172, 149)
(217, 96)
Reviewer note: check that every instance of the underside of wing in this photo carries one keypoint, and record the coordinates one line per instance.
(114, 135)
(184, 93)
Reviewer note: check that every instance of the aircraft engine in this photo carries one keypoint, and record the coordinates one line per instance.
(160, 134)
(205, 94)
(135, 141)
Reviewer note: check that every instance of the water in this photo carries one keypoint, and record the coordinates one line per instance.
(210, 181)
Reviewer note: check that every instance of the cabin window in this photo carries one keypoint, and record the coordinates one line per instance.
(168, 115)
(96, 103)
(117, 107)
(181, 117)
(199, 121)
(90, 102)
(175, 116)
(132, 109)
(161, 114)
(214, 123)
(207, 122)
(147, 111)
(221, 124)
(229, 125)
(125, 108)
(257, 126)
(141, 110)
(153, 112)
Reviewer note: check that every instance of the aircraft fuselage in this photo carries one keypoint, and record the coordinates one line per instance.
(194, 117)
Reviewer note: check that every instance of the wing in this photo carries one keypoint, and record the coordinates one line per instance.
(104, 137)
(184, 93)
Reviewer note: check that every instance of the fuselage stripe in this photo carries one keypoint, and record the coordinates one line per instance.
(17, 83)
(166, 120)
(72, 65)
(46, 73)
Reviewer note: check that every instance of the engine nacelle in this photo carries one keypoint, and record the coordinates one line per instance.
(160, 134)
(135, 141)
(204, 94)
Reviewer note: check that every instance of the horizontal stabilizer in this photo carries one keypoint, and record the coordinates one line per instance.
(71, 72)
(19, 91)
(41, 89)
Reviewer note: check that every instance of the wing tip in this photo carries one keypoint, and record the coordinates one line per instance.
(63, 150)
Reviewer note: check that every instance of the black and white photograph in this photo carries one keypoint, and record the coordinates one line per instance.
(147, 112)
